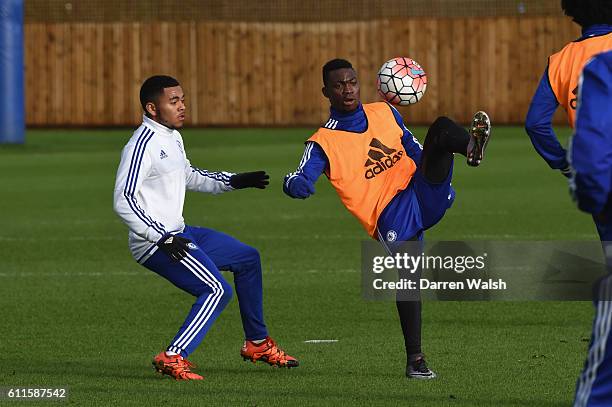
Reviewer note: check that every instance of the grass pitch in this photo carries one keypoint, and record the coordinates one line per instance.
(77, 311)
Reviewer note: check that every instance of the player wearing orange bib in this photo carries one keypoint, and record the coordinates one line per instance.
(393, 186)
(559, 84)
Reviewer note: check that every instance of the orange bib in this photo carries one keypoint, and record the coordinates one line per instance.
(565, 67)
(367, 169)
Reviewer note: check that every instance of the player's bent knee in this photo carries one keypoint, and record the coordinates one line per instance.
(441, 123)
(228, 292)
(251, 255)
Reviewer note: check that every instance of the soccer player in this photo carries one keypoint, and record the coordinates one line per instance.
(559, 84)
(393, 186)
(591, 186)
(149, 194)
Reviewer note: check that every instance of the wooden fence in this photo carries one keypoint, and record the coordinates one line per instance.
(269, 74)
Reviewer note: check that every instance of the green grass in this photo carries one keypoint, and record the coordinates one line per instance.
(77, 311)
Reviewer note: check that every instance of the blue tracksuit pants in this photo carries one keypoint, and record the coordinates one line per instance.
(198, 274)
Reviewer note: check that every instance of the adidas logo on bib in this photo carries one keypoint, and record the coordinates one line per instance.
(380, 158)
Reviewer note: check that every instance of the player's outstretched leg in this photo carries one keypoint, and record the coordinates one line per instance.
(480, 133)
(197, 275)
(244, 262)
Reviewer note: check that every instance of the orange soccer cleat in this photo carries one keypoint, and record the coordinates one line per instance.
(175, 366)
(268, 352)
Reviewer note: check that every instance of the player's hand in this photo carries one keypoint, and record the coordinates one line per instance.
(257, 179)
(174, 246)
(300, 188)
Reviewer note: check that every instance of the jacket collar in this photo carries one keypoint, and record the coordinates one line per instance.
(596, 29)
(157, 127)
(355, 121)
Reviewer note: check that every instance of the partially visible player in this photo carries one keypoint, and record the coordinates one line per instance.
(393, 186)
(591, 185)
(559, 84)
(149, 194)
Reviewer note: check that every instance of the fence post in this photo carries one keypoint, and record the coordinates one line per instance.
(12, 107)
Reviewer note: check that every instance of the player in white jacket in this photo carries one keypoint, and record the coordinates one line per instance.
(149, 195)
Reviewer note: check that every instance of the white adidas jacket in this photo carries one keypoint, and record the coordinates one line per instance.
(150, 187)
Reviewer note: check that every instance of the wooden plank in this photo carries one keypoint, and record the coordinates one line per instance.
(100, 83)
(136, 76)
(488, 64)
(289, 69)
(254, 91)
(295, 53)
(205, 47)
(192, 74)
(429, 49)
(366, 61)
(33, 58)
(503, 75)
(66, 66)
(445, 82)
(221, 82)
(79, 82)
(124, 31)
(85, 47)
(324, 56)
(268, 79)
(55, 75)
(244, 74)
(117, 70)
(311, 74)
(231, 115)
(456, 90)
(473, 77)
(180, 58)
(277, 102)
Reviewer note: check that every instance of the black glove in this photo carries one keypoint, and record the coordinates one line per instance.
(257, 179)
(174, 246)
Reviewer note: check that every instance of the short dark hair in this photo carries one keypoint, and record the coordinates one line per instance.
(588, 12)
(332, 66)
(154, 87)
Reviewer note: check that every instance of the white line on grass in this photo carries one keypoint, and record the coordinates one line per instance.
(75, 274)
(321, 341)
(60, 238)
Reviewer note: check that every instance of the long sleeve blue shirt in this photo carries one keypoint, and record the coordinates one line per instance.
(591, 148)
(538, 123)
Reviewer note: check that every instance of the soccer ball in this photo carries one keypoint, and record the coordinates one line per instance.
(401, 81)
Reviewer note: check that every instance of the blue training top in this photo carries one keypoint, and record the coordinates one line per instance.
(591, 146)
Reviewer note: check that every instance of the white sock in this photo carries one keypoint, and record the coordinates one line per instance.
(259, 341)
(169, 353)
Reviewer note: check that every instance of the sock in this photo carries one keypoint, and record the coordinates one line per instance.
(258, 341)
(414, 357)
(168, 353)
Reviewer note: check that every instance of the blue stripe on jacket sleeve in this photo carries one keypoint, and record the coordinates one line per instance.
(217, 176)
(313, 163)
(130, 185)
